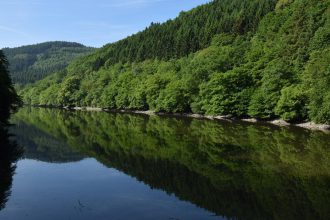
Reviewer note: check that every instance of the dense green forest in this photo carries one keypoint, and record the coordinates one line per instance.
(34, 62)
(262, 176)
(244, 58)
(9, 100)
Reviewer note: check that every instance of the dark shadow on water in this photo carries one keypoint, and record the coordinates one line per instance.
(10, 152)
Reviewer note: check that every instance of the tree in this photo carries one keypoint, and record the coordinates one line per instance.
(317, 81)
(292, 105)
(9, 100)
(227, 93)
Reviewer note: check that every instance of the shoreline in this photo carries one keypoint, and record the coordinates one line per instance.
(277, 122)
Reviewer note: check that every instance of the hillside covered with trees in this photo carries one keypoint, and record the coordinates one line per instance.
(34, 62)
(245, 58)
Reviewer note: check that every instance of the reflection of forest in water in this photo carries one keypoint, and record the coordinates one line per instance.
(41, 146)
(237, 170)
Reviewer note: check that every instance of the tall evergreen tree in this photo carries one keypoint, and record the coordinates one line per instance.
(9, 100)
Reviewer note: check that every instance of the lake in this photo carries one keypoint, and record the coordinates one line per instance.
(58, 164)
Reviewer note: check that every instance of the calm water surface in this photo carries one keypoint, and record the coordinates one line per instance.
(92, 165)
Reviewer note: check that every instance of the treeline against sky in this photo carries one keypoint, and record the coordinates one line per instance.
(246, 58)
(34, 62)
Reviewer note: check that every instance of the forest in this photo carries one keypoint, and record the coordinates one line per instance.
(264, 59)
(31, 63)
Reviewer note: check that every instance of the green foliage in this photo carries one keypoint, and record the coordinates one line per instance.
(263, 102)
(227, 93)
(317, 81)
(67, 93)
(189, 32)
(31, 63)
(282, 3)
(239, 58)
(292, 104)
(174, 98)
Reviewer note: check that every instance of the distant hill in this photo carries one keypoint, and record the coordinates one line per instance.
(31, 63)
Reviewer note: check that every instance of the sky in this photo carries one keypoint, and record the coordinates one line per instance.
(90, 22)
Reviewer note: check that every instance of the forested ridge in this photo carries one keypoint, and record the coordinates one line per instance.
(188, 33)
(34, 62)
(245, 58)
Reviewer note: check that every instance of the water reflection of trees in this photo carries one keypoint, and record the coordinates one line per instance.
(10, 152)
(39, 145)
(240, 171)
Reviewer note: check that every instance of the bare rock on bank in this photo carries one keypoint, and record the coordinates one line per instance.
(314, 126)
(93, 109)
(280, 122)
(252, 120)
(194, 115)
(149, 112)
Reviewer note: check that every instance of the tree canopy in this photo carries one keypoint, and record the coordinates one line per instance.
(34, 62)
(245, 58)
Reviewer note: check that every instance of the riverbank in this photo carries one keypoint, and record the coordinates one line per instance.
(278, 122)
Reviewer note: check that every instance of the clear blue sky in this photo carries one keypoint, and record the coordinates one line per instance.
(91, 22)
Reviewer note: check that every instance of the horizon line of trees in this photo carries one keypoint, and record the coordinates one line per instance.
(31, 63)
(277, 68)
